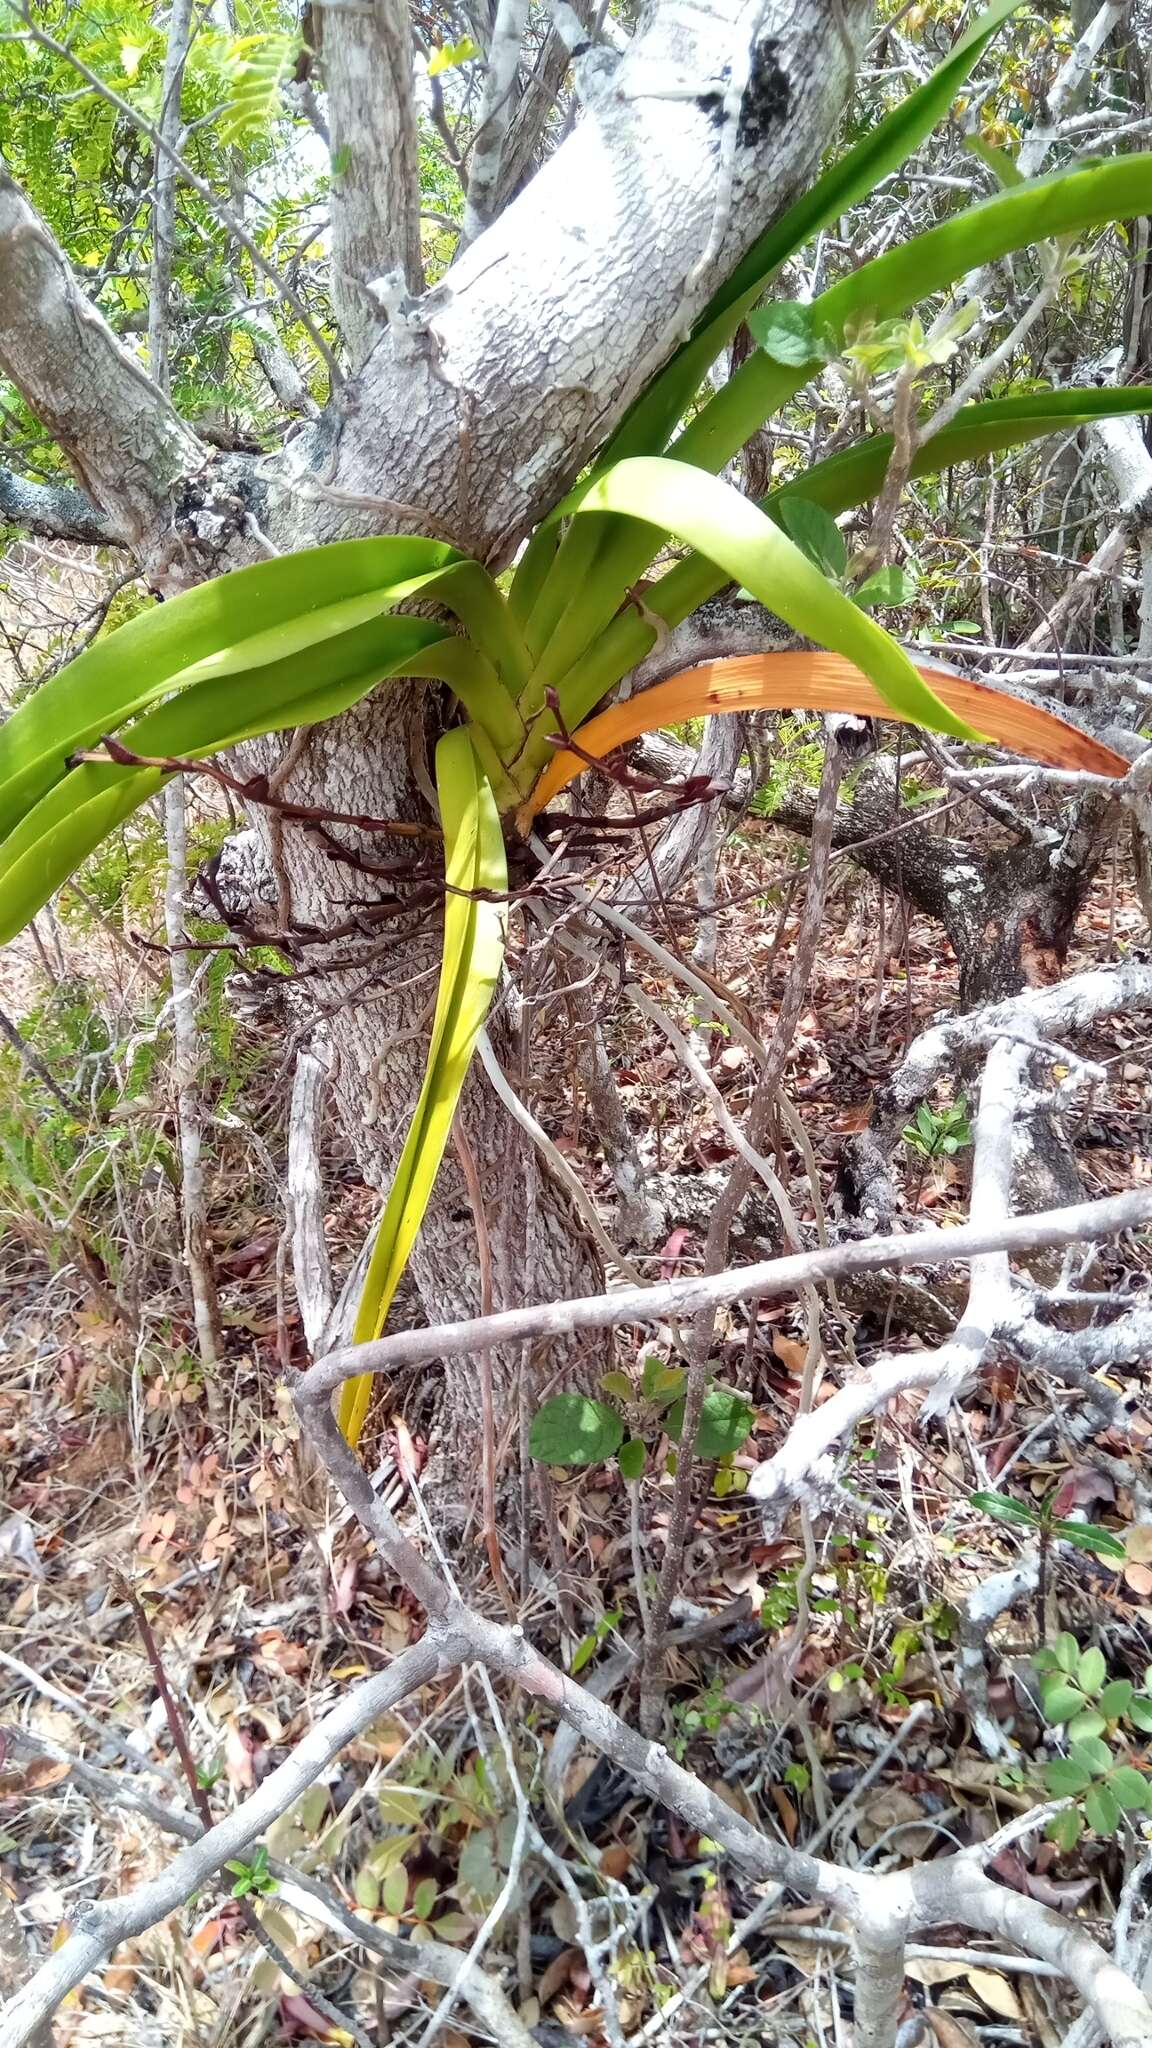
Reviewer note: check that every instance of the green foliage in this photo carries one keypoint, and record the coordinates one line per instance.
(588, 1646)
(1093, 1714)
(701, 1715)
(787, 334)
(252, 1879)
(572, 1429)
(1082, 1535)
(299, 639)
(939, 1133)
(257, 67)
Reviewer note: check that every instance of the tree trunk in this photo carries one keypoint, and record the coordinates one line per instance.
(470, 416)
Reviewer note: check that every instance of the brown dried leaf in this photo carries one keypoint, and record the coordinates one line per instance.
(995, 1992)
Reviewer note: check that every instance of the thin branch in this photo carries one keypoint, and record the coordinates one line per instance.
(223, 212)
(496, 111)
(164, 195)
(56, 511)
(186, 1083)
(772, 1278)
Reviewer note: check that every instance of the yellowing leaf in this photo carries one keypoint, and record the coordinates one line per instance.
(818, 682)
(473, 954)
(996, 1993)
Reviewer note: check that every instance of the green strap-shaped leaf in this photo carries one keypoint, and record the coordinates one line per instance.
(655, 414)
(56, 834)
(1067, 203)
(858, 472)
(236, 623)
(470, 968)
(838, 483)
(598, 571)
(295, 626)
(742, 542)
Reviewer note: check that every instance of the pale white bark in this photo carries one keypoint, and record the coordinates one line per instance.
(496, 111)
(1065, 86)
(273, 358)
(880, 1938)
(980, 1610)
(186, 1082)
(126, 445)
(164, 193)
(310, 1266)
(366, 53)
(562, 310)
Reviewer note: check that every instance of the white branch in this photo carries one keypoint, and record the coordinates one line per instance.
(771, 1278)
(305, 1192)
(366, 52)
(496, 113)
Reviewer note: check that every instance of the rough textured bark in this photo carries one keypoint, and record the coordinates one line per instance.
(126, 445)
(1009, 912)
(541, 336)
(366, 53)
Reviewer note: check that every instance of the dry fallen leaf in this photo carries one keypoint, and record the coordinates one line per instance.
(894, 1809)
(995, 1992)
(790, 1352)
(949, 2032)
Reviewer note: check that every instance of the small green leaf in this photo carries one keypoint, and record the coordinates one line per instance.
(477, 1871)
(619, 1385)
(816, 534)
(631, 1458)
(449, 55)
(1004, 1508)
(1087, 1724)
(394, 1892)
(1087, 1536)
(725, 1421)
(424, 1898)
(572, 1430)
(1060, 1701)
(886, 586)
(1140, 1713)
(584, 1651)
(1092, 1669)
(1116, 1699)
(453, 1927)
(1130, 1787)
(1065, 1829)
(1065, 1779)
(1101, 1810)
(1067, 1652)
(786, 333)
(1091, 1754)
(652, 1366)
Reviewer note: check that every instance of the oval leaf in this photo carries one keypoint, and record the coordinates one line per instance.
(725, 1421)
(573, 1430)
(631, 1458)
